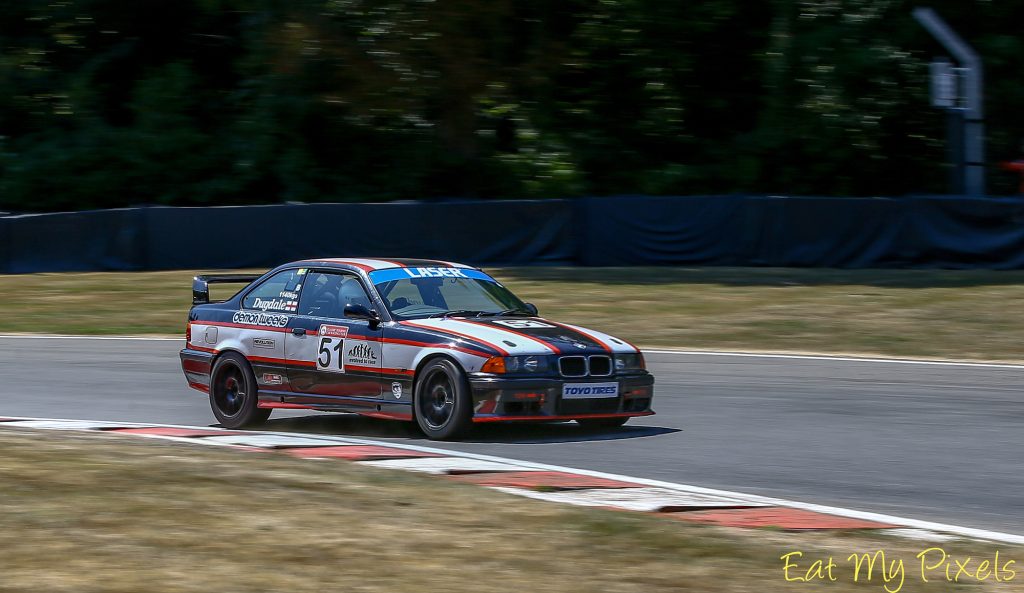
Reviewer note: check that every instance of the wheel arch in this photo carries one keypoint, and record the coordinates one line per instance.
(425, 361)
(459, 420)
(229, 350)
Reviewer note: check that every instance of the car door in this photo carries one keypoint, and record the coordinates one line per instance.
(333, 359)
(257, 327)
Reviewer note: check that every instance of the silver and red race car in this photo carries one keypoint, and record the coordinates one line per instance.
(439, 343)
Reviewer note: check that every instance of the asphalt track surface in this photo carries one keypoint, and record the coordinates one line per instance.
(937, 443)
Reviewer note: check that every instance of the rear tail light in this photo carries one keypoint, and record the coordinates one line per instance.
(188, 334)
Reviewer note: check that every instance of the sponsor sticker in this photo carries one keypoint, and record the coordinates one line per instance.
(396, 390)
(379, 276)
(435, 273)
(272, 379)
(265, 319)
(334, 331)
(263, 343)
(523, 324)
(275, 305)
(329, 354)
(363, 354)
(589, 390)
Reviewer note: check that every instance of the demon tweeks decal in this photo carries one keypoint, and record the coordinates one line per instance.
(267, 319)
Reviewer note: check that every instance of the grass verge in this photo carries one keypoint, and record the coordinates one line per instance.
(912, 313)
(111, 513)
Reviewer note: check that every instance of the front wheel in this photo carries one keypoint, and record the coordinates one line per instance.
(233, 393)
(443, 403)
(602, 422)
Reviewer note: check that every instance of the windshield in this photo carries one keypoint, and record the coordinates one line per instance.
(415, 293)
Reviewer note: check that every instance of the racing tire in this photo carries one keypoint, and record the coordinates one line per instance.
(602, 422)
(233, 393)
(443, 401)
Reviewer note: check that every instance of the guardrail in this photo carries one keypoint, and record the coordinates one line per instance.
(924, 231)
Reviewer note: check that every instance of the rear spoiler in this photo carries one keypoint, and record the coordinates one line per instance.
(201, 284)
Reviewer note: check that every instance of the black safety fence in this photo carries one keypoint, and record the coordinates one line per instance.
(931, 231)
(928, 231)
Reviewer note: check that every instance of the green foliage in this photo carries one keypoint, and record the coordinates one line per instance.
(105, 103)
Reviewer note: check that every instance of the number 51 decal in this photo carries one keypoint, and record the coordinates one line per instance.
(330, 357)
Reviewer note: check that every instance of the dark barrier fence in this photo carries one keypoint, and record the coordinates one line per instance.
(933, 231)
(75, 241)
(521, 233)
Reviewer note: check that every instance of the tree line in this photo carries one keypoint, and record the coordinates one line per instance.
(106, 103)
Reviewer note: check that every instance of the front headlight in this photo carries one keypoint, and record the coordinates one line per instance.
(629, 362)
(531, 363)
(526, 364)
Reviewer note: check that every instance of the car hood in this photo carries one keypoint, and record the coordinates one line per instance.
(528, 335)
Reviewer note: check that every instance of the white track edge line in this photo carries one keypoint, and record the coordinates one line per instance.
(969, 532)
(724, 353)
(991, 365)
(67, 337)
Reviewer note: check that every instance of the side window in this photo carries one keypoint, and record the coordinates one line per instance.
(279, 293)
(327, 293)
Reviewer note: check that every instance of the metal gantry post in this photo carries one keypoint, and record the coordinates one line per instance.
(973, 112)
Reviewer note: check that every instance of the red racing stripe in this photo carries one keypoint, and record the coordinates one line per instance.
(553, 348)
(420, 344)
(387, 415)
(351, 337)
(542, 418)
(631, 345)
(434, 345)
(282, 361)
(312, 364)
(386, 370)
(501, 350)
(335, 260)
(282, 405)
(244, 325)
(606, 347)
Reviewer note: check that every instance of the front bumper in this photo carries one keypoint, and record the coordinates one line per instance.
(497, 398)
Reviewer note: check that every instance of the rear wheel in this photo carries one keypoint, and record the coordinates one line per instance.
(443, 403)
(233, 393)
(602, 422)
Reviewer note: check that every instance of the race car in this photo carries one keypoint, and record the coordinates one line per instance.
(439, 343)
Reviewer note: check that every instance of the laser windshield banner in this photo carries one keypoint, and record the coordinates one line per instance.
(392, 274)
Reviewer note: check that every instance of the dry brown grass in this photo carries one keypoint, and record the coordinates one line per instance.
(917, 313)
(913, 313)
(119, 514)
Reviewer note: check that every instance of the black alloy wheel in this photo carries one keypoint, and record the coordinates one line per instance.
(443, 401)
(233, 393)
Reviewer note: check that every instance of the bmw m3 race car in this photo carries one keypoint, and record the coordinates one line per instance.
(439, 343)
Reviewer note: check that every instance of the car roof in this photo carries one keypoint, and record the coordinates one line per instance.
(373, 264)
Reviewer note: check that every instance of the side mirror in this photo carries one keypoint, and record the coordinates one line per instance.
(532, 309)
(357, 311)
